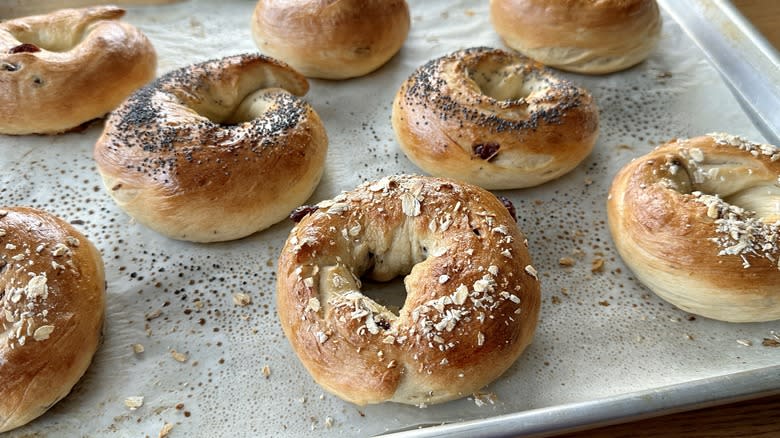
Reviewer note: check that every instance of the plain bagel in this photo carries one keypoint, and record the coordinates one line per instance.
(472, 295)
(583, 36)
(493, 118)
(53, 303)
(60, 70)
(698, 221)
(214, 151)
(331, 39)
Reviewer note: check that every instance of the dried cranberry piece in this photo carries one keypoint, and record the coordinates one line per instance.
(301, 212)
(25, 48)
(509, 206)
(486, 151)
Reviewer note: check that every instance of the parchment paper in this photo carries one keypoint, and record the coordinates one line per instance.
(601, 333)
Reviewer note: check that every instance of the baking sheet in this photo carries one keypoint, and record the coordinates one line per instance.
(601, 333)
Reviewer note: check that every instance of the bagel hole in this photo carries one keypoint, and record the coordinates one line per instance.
(391, 294)
(249, 108)
(502, 82)
(733, 181)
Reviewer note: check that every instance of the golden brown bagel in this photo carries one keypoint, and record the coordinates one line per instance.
(494, 119)
(472, 296)
(66, 68)
(698, 221)
(331, 39)
(53, 301)
(214, 151)
(583, 36)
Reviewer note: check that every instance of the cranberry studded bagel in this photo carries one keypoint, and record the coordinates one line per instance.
(583, 36)
(698, 221)
(214, 151)
(60, 70)
(331, 39)
(494, 119)
(53, 302)
(472, 295)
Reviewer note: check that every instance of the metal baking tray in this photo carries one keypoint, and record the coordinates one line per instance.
(606, 350)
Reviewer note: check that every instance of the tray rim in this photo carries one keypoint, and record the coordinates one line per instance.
(622, 408)
(747, 62)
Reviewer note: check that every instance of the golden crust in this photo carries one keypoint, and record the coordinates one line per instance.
(472, 301)
(214, 151)
(331, 39)
(583, 36)
(75, 65)
(698, 220)
(494, 119)
(53, 306)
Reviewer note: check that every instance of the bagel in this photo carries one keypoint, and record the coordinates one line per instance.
(698, 221)
(582, 36)
(494, 119)
(472, 295)
(214, 151)
(60, 70)
(53, 303)
(331, 39)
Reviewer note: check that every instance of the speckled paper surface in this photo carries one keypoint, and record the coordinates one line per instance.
(601, 333)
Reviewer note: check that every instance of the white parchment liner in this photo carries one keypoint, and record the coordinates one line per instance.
(601, 333)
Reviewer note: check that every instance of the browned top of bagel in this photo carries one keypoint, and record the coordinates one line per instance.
(227, 133)
(586, 36)
(332, 39)
(52, 285)
(62, 69)
(472, 297)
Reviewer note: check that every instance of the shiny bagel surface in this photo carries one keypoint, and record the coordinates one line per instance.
(331, 39)
(582, 36)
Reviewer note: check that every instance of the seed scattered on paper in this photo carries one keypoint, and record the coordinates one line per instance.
(180, 357)
(166, 429)
(134, 402)
(241, 299)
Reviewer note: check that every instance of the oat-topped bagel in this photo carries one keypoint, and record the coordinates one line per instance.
(53, 300)
(583, 36)
(493, 118)
(214, 151)
(698, 221)
(66, 68)
(472, 296)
